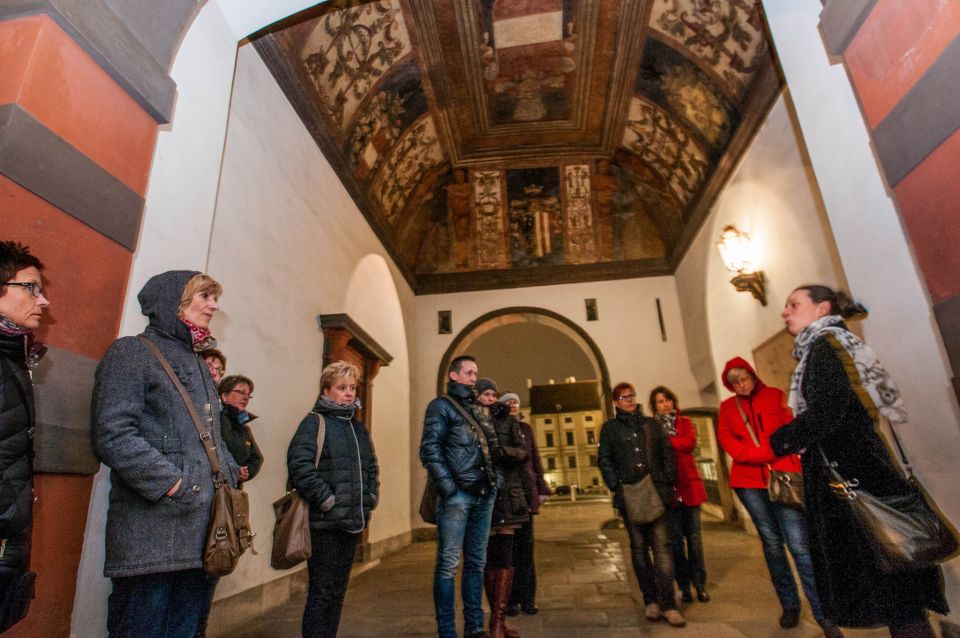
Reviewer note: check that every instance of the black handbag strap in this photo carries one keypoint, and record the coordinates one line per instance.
(206, 437)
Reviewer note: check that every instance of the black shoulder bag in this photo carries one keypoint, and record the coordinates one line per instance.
(783, 488)
(905, 532)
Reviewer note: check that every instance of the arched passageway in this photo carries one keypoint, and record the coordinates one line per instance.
(565, 332)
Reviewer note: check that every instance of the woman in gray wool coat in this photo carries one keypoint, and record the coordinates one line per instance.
(161, 486)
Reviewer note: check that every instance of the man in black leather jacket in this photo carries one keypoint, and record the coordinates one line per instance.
(456, 454)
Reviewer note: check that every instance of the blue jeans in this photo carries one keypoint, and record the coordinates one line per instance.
(166, 605)
(463, 525)
(686, 542)
(777, 524)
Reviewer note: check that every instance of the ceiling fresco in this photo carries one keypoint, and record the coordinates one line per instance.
(499, 143)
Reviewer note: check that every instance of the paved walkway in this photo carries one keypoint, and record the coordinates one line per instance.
(586, 588)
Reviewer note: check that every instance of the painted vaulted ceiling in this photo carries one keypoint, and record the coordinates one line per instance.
(498, 143)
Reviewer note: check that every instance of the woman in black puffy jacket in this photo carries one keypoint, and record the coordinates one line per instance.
(21, 309)
(510, 510)
(342, 486)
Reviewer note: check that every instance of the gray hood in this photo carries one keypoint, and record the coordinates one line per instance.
(160, 300)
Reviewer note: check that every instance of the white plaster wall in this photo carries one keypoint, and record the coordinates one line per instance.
(174, 234)
(874, 250)
(288, 245)
(770, 197)
(627, 334)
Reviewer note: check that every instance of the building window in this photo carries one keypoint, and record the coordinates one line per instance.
(551, 463)
(596, 481)
(569, 434)
(591, 437)
(589, 417)
(568, 419)
(546, 421)
(593, 460)
(572, 461)
(548, 439)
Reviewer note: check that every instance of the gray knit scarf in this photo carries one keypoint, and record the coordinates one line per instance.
(668, 422)
(881, 389)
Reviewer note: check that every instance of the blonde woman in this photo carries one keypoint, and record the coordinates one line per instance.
(342, 489)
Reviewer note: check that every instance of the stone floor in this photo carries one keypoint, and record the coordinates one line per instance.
(586, 588)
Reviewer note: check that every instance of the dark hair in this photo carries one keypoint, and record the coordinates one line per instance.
(229, 383)
(665, 391)
(841, 303)
(216, 354)
(457, 362)
(14, 257)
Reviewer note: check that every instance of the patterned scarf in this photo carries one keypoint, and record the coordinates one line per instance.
(668, 422)
(879, 387)
(343, 412)
(201, 337)
(35, 349)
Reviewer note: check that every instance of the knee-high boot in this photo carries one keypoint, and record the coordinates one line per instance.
(498, 585)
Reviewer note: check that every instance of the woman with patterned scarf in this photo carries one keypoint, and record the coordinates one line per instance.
(342, 485)
(686, 540)
(161, 486)
(22, 303)
(838, 393)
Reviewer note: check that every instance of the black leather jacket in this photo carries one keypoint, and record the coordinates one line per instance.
(622, 456)
(450, 450)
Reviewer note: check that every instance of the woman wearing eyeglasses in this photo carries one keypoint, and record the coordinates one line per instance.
(633, 446)
(22, 303)
(235, 393)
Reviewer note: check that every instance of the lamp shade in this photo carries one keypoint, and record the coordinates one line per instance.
(736, 250)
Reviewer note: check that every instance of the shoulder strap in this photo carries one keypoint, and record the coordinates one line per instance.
(746, 421)
(648, 439)
(206, 438)
(321, 435)
(477, 430)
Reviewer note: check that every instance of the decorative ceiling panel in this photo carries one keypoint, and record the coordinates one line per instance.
(497, 143)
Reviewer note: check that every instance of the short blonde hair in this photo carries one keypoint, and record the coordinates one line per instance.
(198, 283)
(337, 370)
(733, 373)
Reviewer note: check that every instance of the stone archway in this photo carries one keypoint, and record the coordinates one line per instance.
(527, 314)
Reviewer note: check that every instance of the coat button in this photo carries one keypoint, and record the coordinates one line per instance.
(195, 488)
(636, 449)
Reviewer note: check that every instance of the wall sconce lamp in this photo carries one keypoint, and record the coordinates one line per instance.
(737, 255)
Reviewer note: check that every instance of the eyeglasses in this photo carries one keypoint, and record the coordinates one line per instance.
(511, 402)
(35, 289)
(626, 397)
(242, 393)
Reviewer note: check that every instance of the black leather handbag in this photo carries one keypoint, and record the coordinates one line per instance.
(904, 532)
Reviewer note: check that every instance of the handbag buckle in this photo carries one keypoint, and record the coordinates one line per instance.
(846, 489)
(221, 534)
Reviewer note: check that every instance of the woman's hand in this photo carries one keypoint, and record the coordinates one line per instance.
(244, 473)
(176, 486)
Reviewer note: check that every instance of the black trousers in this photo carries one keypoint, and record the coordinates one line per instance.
(524, 590)
(328, 572)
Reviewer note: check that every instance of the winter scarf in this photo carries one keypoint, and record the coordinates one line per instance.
(668, 422)
(34, 350)
(881, 389)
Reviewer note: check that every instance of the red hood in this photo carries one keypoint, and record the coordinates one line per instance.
(739, 362)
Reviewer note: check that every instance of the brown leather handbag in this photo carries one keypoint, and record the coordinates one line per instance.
(783, 488)
(291, 530)
(228, 533)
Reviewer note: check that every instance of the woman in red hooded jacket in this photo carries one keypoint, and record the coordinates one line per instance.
(754, 413)
(688, 561)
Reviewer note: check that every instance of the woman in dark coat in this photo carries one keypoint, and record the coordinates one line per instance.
(633, 446)
(161, 485)
(839, 391)
(235, 393)
(685, 537)
(342, 486)
(510, 510)
(22, 303)
(523, 594)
